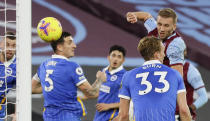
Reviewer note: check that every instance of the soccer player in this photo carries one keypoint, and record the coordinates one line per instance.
(8, 65)
(60, 79)
(154, 88)
(108, 100)
(193, 82)
(164, 28)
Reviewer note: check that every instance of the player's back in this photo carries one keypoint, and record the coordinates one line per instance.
(58, 84)
(153, 89)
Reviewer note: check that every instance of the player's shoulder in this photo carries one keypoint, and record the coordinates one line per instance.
(178, 41)
(133, 71)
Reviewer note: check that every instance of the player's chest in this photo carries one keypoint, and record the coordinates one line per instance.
(112, 84)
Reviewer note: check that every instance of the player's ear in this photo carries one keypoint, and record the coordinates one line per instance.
(59, 48)
(157, 55)
(174, 27)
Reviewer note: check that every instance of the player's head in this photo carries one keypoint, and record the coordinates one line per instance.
(10, 46)
(151, 48)
(116, 56)
(64, 46)
(166, 22)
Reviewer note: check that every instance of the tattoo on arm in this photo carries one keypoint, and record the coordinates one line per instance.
(94, 90)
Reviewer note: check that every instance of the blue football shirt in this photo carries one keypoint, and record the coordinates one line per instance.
(59, 78)
(153, 89)
(108, 93)
(7, 81)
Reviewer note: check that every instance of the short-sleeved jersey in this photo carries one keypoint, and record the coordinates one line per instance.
(8, 79)
(153, 89)
(108, 93)
(174, 44)
(59, 78)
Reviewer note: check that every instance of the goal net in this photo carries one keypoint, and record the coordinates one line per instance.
(15, 17)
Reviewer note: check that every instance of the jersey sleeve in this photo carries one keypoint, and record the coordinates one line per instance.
(150, 24)
(36, 77)
(181, 87)
(78, 75)
(124, 91)
(175, 51)
(194, 77)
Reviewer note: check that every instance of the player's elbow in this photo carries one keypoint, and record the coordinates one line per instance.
(123, 116)
(185, 113)
(205, 99)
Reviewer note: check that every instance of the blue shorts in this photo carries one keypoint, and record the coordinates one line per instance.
(51, 114)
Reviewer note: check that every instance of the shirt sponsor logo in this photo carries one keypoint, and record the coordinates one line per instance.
(105, 89)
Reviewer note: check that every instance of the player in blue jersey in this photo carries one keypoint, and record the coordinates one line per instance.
(154, 88)
(8, 65)
(60, 79)
(107, 106)
(165, 29)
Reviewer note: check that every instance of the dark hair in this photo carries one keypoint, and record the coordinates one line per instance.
(148, 46)
(119, 48)
(168, 13)
(10, 35)
(59, 41)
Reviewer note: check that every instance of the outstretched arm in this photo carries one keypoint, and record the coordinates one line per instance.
(133, 17)
(92, 91)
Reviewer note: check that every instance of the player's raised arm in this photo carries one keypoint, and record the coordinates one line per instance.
(36, 85)
(133, 17)
(92, 91)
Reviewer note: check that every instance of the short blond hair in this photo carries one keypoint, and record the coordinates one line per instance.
(148, 46)
(168, 13)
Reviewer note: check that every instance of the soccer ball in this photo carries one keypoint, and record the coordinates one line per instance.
(49, 29)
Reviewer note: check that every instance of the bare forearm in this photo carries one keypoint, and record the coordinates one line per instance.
(37, 90)
(185, 116)
(113, 105)
(143, 16)
(123, 117)
(93, 92)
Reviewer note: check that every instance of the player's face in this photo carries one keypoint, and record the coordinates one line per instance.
(165, 27)
(10, 48)
(116, 59)
(161, 53)
(69, 47)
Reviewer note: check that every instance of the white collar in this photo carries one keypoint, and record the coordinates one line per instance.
(7, 63)
(59, 56)
(172, 35)
(115, 70)
(151, 62)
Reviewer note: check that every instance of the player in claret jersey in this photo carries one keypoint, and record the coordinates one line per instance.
(193, 83)
(154, 88)
(164, 28)
(59, 79)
